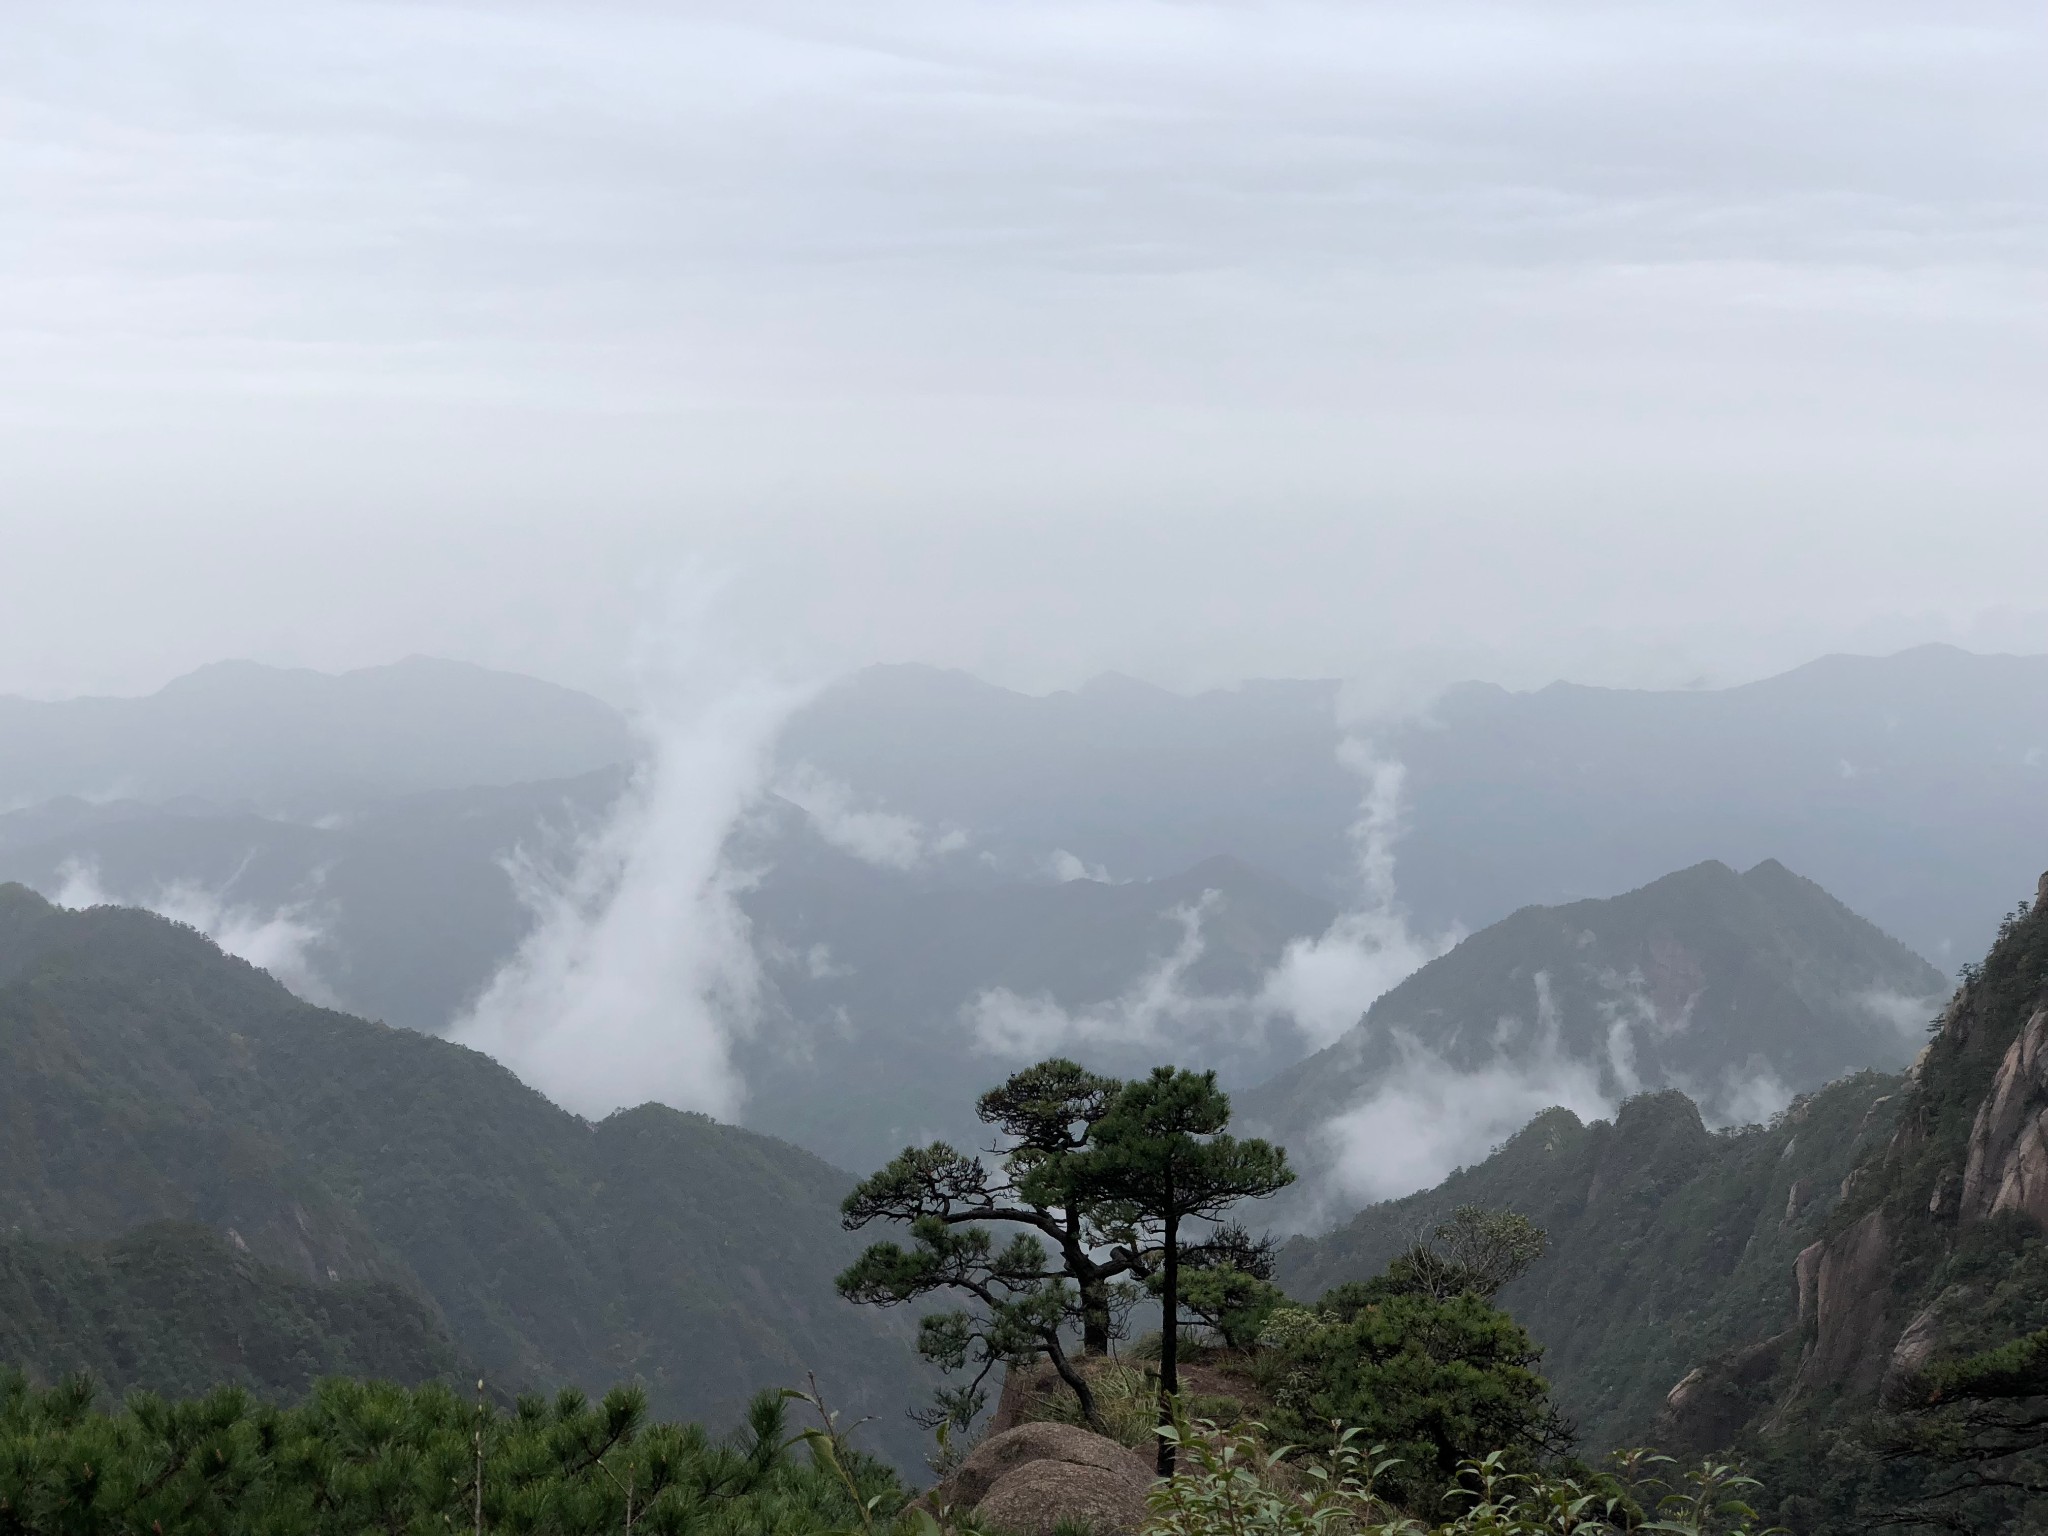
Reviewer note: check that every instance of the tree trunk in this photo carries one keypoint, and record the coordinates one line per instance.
(1095, 1317)
(1094, 1289)
(1078, 1382)
(1169, 1336)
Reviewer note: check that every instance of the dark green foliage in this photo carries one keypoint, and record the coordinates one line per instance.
(176, 1307)
(1233, 1303)
(1434, 1380)
(368, 1456)
(1226, 1281)
(144, 1076)
(1669, 1244)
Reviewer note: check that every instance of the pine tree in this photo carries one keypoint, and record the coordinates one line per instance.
(1161, 1151)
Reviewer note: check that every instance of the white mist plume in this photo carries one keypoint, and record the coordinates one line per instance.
(1153, 1010)
(279, 941)
(886, 839)
(639, 973)
(1322, 985)
(1428, 1117)
(1325, 984)
(1743, 1097)
(1066, 867)
(1901, 1011)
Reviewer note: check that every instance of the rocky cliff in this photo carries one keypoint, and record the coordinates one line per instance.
(1932, 1256)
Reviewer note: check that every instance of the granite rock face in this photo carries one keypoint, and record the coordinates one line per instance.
(1026, 1481)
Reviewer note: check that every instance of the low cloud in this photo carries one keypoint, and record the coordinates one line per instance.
(1066, 867)
(1319, 988)
(886, 839)
(1428, 1118)
(1750, 1096)
(279, 940)
(1325, 984)
(1156, 1009)
(1902, 1012)
(639, 973)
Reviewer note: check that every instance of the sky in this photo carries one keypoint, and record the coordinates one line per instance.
(1639, 343)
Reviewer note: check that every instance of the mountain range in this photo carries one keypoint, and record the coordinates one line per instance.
(942, 874)
(1910, 785)
(306, 743)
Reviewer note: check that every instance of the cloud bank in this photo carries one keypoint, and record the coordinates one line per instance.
(639, 973)
(1156, 1009)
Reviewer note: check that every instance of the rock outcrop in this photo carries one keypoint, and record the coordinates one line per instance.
(1851, 1291)
(1029, 1480)
(1878, 1299)
(1707, 1410)
(2008, 1165)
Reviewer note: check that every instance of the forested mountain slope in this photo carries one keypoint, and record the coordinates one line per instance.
(146, 1077)
(177, 1308)
(1914, 1378)
(1668, 1242)
(1853, 1300)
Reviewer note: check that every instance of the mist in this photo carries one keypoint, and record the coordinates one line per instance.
(282, 940)
(640, 972)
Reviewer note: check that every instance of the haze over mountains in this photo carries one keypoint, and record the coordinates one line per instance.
(266, 738)
(1740, 990)
(938, 878)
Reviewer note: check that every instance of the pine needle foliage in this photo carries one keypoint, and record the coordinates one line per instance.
(368, 1456)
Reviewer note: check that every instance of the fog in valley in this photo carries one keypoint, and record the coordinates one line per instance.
(1446, 563)
(699, 361)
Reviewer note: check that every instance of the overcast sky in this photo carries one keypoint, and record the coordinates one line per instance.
(1638, 342)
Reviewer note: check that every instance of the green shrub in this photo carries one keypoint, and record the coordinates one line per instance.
(1228, 1485)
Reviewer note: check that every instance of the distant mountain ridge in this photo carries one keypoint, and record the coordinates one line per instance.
(1910, 785)
(1739, 989)
(145, 1077)
(243, 734)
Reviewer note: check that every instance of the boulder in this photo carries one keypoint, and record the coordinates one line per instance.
(1042, 1497)
(1073, 1475)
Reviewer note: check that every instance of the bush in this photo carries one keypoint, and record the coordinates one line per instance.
(1438, 1383)
(1228, 1486)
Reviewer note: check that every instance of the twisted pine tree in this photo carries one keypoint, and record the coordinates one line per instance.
(1161, 1153)
(1055, 1275)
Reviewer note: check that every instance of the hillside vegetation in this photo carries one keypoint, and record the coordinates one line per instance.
(178, 1308)
(1668, 1242)
(146, 1077)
